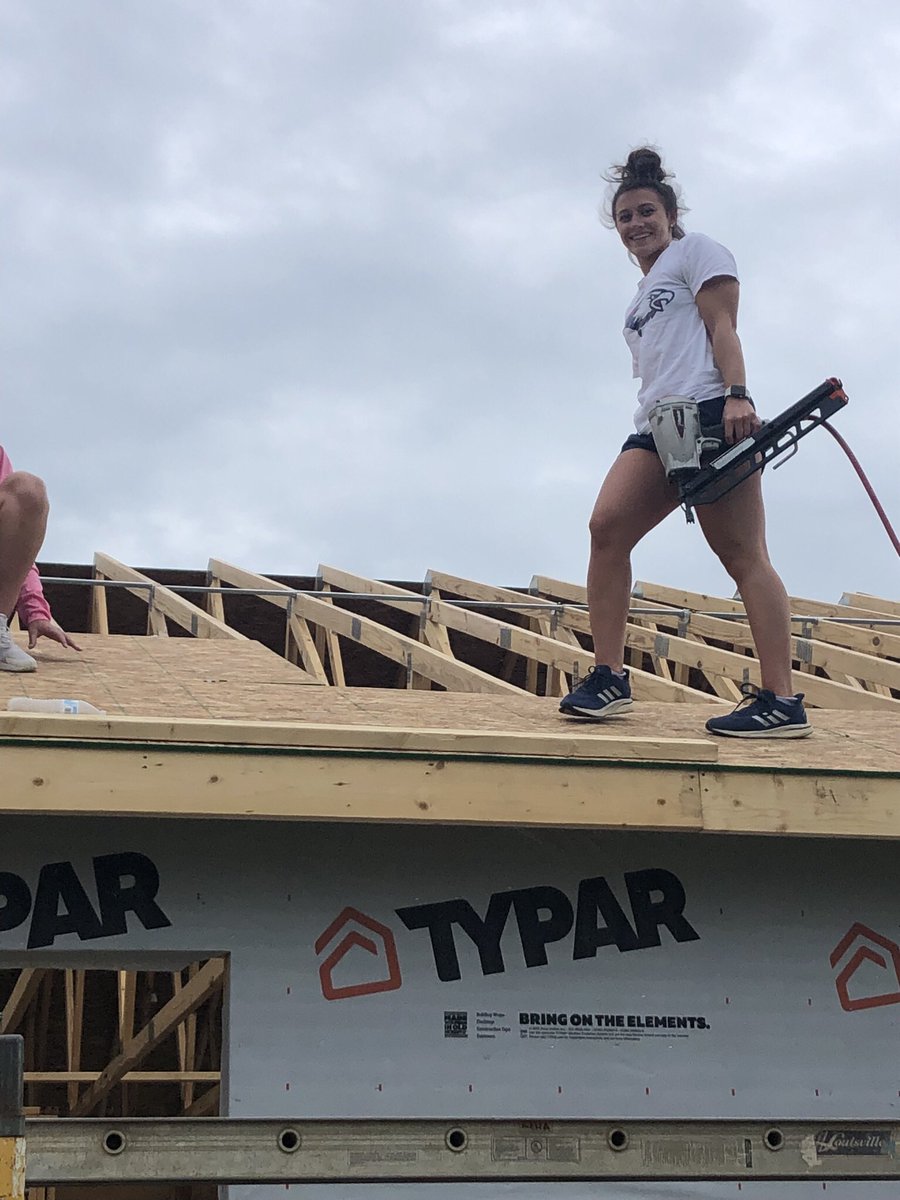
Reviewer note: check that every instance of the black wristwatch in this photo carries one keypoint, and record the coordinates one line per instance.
(737, 391)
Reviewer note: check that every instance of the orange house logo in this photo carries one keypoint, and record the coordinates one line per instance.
(871, 947)
(353, 930)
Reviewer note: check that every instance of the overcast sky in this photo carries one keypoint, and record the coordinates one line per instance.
(290, 281)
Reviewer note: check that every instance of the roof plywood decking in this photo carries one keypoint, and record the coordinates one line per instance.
(467, 729)
(841, 741)
(210, 692)
(161, 676)
(199, 687)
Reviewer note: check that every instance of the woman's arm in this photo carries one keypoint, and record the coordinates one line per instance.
(717, 301)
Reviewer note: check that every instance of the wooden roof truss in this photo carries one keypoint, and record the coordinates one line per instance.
(681, 645)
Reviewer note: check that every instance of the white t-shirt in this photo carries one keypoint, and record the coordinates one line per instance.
(670, 347)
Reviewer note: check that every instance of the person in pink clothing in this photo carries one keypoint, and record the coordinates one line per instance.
(23, 522)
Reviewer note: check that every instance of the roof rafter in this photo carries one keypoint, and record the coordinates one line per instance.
(890, 608)
(826, 693)
(162, 602)
(834, 660)
(547, 650)
(854, 637)
(416, 656)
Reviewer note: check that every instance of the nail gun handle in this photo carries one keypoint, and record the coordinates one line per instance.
(775, 440)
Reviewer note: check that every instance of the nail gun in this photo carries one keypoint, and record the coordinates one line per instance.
(701, 464)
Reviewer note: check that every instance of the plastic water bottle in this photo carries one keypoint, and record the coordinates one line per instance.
(76, 707)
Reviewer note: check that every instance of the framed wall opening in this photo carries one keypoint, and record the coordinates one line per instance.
(109, 1035)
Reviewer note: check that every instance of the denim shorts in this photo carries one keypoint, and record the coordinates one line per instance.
(710, 424)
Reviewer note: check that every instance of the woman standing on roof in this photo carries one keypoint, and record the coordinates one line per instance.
(681, 328)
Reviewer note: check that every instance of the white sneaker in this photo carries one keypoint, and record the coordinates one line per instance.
(12, 658)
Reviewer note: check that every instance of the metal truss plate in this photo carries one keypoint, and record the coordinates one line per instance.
(413, 1151)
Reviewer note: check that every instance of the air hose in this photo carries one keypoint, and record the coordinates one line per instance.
(895, 541)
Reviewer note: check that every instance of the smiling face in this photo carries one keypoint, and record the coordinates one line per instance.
(644, 225)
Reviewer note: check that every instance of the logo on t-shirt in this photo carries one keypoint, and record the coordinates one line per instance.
(656, 302)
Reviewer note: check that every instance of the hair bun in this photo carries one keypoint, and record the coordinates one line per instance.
(644, 164)
(644, 169)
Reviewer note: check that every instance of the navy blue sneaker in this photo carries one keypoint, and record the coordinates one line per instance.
(762, 714)
(600, 694)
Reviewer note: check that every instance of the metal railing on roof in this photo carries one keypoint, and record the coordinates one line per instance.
(549, 606)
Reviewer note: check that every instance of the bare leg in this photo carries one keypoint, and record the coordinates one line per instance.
(634, 498)
(23, 522)
(735, 528)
